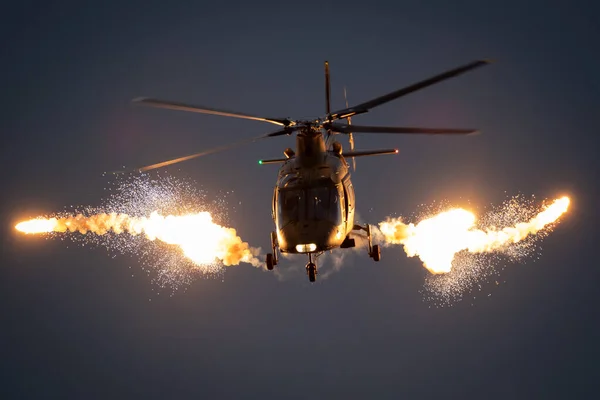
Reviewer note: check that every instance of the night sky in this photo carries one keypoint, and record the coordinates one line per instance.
(76, 323)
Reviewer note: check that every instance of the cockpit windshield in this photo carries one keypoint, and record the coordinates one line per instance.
(309, 204)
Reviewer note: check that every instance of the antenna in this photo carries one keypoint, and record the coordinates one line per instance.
(327, 100)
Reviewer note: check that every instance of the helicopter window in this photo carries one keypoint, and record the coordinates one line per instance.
(289, 207)
(324, 204)
(320, 198)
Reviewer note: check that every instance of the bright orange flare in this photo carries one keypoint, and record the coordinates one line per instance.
(37, 226)
(437, 239)
(200, 239)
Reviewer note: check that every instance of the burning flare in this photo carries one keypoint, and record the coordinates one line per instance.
(437, 239)
(200, 239)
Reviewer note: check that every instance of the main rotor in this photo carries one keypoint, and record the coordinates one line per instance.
(330, 122)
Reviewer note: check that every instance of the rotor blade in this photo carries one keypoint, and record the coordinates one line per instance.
(366, 106)
(204, 110)
(285, 131)
(398, 129)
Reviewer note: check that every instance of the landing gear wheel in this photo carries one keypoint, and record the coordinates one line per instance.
(270, 262)
(376, 253)
(311, 271)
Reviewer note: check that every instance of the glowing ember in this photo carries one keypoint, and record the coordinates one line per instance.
(437, 239)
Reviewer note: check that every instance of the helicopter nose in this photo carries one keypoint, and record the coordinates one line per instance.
(320, 233)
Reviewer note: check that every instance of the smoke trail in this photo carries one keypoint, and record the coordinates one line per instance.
(200, 239)
(436, 240)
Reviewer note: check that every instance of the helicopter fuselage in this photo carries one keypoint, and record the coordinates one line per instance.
(313, 201)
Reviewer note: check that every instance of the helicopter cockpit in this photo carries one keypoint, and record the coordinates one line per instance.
(316, 203)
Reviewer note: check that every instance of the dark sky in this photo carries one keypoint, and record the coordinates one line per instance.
(76, 324)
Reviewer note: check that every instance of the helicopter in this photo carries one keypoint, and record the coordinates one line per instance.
(313, 205)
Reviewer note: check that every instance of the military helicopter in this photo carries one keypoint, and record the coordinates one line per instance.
(313, 200)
